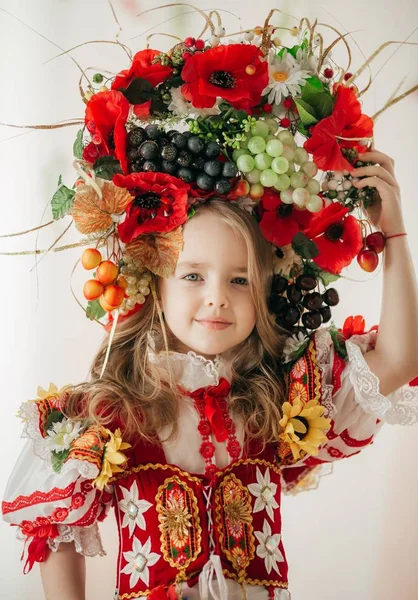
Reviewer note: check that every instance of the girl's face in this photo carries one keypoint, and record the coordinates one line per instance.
(207, 303)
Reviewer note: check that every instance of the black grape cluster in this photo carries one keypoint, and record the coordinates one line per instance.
(183, 155)
(296, 302)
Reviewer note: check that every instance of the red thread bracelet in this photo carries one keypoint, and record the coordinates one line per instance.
(394, 235)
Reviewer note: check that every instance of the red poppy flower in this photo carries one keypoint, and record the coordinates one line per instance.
(159, 205)
(106, 115)
(347, 121)
(281, 222)
(221, 72)
(337, 235)
(355, 326)
(143, 67)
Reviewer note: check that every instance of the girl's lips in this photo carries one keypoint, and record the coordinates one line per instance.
(214, 324)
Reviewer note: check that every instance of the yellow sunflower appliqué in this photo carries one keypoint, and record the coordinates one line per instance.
(304, 427)
(113, 457)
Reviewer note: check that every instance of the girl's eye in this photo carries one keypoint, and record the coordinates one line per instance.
(193, 275)
(241, 280)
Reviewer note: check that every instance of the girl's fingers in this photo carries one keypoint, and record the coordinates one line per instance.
(377, 171)
(375, 182)
(378, 157)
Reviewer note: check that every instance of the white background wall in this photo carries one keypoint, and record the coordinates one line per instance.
(357, 535)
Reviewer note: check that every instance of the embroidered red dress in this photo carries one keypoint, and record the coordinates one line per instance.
(201, 511)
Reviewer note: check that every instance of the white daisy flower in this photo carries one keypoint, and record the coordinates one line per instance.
(133, 509)
(268, 548)
(139, 559)
(283, 265)
(292, 344)
(286, 78)
(61, 434)
(180, 107)
(265, 492)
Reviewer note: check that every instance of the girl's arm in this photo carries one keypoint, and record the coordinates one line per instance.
(64, 574)
(395, 357)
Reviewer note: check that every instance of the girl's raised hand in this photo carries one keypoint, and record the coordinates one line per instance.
(386, 212)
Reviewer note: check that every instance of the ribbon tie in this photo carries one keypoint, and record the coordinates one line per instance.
(210, 396)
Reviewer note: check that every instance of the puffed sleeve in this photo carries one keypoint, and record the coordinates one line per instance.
(58, 489)
(334, 378)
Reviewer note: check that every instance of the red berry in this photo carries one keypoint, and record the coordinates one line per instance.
(368, 260)
(328, 73)
(186, 56)
(376, 241)
(288, 102)
(267, 108)
(285, 122)
(189, 42)
(199, 44)
(347, 76)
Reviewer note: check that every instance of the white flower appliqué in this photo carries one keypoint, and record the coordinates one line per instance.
(265, 492)
(268, 548)
(133, 509)
(61, 434)
(139, 559)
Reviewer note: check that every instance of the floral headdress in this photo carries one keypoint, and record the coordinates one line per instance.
(275, 128)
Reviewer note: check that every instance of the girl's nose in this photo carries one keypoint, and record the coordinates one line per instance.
(217, 296)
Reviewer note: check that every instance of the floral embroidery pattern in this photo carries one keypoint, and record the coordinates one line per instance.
(234, 519)
(268, 548)
(139, 560)
(133, 509)
(178, 514)
(264, 491)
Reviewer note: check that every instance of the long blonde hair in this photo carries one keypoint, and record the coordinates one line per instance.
(137, 392)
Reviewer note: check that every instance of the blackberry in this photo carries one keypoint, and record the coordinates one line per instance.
(306, 282)
(294, 295)
(312, 301)
(136, 137)
(312, 320)
(162, 142)
(213, 168)
(169, 167)
(331, 297)
(184, 158)
(229, 170)
(132, 154)
(223, 187)
(169, 152)
(179, 140)
(149, 150)
(198, 163)
(153, 132)
(279, 284)
(212, 150)
(137, 166)
(186, 174)
(195, 144)
(152, 166)
(171, 132)
(205, 182)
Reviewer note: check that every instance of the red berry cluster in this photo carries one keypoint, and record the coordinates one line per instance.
(194, 45)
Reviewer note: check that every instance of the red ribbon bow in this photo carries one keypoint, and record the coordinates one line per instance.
(210, 396)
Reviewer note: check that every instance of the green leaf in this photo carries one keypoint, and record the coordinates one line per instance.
(175, 82)
(58, 459)
(59, 181)
(322, 104)
(240, 115)
(328, 278)
(303, 246)
(78, 145)
(339, 342)
(107, 166)
(94, 310)
(313, 86)
(62, 202)
(138, 91)
(54, 417)
(306, 113)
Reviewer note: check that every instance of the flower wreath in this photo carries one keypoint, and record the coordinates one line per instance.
(275, 128)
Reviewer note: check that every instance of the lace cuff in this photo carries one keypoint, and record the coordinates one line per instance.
(398, 408)
(87, 540)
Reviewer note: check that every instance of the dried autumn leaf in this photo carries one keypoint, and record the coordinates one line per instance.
(92, 214)
(157, 252)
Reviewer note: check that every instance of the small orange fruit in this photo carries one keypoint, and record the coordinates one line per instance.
(107, 307)
(93, 289)
(114, 295)
(107, 272)
(91, 258)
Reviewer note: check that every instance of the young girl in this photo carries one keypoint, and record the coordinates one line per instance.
(214, 422)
